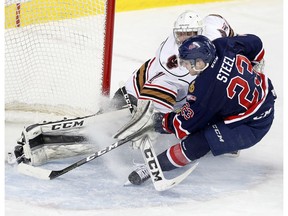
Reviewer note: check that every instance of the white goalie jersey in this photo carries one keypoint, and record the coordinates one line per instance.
(161, 80)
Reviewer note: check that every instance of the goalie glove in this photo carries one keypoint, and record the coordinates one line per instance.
(141, 120)
(160, 126)
(145, 119)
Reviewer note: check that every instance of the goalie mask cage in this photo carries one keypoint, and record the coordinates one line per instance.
(57, 55)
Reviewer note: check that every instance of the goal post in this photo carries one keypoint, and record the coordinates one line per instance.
(58, 55)
(108, 47)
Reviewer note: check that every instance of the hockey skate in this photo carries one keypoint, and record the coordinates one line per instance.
(138, 176)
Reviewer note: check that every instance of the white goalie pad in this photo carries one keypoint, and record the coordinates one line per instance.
(44, 142)
(49, 141)
(142, 119)
(48, 152)
(38, 151)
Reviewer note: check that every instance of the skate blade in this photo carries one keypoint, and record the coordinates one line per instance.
(127, 184)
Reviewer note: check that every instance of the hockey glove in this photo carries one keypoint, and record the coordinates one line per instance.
(167, 124)
(160, 123)
(141, 120)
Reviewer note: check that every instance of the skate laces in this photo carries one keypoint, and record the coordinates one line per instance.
(139, 175)
(143, 172)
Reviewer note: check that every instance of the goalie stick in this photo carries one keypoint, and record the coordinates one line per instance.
(127, 99)
(46, 174)
(159, 181)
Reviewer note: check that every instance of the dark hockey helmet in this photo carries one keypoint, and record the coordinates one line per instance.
(197, 47)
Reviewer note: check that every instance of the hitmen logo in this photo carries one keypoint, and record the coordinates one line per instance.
(152, 164)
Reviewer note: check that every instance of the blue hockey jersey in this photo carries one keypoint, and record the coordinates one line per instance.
(228, 90)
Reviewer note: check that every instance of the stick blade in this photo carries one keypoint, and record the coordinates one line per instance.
(159, 181)
(170, 183)
(35, 172)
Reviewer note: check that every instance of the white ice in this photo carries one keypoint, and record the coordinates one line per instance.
(251, 184)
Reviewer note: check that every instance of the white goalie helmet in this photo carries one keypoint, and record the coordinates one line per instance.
(188, 24)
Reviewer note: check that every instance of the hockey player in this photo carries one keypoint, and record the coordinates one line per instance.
(229, 106)
(160, 79)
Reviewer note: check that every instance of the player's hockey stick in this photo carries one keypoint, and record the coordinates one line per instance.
(46, 174)
(159, 181)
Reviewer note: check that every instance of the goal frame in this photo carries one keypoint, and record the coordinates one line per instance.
(108, 47)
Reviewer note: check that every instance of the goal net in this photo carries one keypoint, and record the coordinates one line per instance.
(57, 55)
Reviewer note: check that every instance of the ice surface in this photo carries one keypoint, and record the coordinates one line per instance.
(251, 184)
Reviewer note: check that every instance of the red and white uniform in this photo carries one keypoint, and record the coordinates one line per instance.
(161, 80)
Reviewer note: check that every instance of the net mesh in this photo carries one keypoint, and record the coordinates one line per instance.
(54, 55)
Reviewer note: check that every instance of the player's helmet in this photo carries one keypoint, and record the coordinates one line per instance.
(197, 47)
(188, 24)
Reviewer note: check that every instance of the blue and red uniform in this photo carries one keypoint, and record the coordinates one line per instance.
(229, 105)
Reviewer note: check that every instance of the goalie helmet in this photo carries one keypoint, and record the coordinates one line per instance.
(188, 24)
(195, 48)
